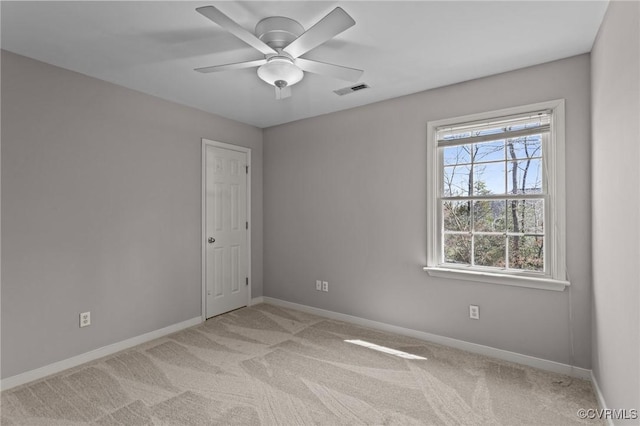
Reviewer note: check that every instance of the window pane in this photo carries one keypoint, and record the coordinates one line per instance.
(489, 250)
(525, 216)
(457, 248)
(456, 215)
(488, 151)
(526, 253)
(457, 155)
(488, 178)
(456, 181)
(525, 147)
(489, 216)
(526, 175)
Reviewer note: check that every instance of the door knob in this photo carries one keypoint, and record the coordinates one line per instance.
(212, 240)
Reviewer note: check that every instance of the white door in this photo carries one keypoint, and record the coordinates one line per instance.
(225, 230)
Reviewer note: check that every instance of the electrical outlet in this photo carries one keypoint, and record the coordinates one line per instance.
(85, 319)
(474, 312)
(318, 285)
(325, 286)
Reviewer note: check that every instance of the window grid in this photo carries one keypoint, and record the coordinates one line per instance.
(474, 196)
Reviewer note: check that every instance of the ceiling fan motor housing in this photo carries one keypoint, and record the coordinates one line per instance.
(278, 32)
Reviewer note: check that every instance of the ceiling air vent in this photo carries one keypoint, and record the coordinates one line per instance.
(347, 90)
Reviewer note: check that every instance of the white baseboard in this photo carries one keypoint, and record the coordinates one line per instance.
(56, 367)
(256, 300)
(530, 361)
(601, 402)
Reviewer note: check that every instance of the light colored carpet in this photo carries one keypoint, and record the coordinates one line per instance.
(274, 366)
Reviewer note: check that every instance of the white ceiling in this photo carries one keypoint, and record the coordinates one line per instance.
(404, 47)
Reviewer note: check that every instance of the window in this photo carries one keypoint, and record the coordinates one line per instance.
(496, 197)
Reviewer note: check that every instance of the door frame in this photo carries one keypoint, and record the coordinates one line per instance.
(203, 230)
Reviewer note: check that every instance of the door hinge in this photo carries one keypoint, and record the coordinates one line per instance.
(246, 169)
(246, 225)
(247, 280)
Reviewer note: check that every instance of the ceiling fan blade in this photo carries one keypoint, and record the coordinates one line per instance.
(325, 29)
(231, 67)
(283, 93)
(228, 24)
(336, 71)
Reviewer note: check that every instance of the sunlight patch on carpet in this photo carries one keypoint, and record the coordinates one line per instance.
(384, 349)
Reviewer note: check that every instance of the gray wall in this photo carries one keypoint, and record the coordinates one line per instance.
(101, 211)
(345, 202)
(615, 65)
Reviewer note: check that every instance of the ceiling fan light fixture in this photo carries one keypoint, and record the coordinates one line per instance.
(280, 72)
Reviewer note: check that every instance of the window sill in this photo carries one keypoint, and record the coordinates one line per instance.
(492, 278)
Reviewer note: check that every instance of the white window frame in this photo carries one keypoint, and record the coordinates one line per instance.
(555, 209)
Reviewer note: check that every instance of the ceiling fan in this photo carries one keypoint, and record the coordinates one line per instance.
(282, 41)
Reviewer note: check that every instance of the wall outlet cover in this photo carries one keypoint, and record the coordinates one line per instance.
(85, 319)
(474, 312)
